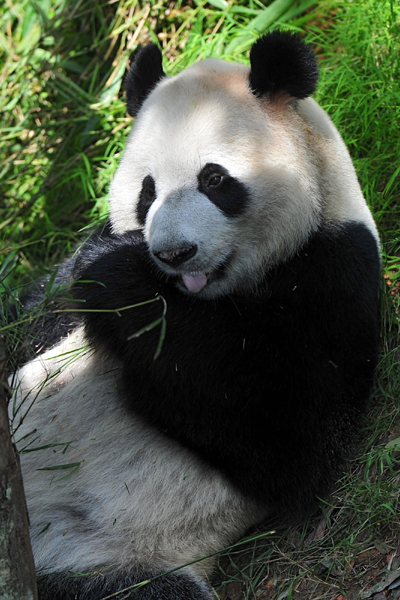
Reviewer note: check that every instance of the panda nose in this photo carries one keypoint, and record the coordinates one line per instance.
(177, 256)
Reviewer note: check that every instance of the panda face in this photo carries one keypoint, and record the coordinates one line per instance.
(174, 229)
(221, 183)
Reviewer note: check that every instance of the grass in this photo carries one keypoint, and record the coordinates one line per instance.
(64, 125)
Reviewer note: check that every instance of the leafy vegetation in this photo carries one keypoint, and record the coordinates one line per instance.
(63, 127)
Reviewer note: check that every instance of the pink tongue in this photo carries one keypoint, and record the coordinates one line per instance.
(194, 283)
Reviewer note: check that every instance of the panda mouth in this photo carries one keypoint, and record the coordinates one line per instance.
(195, 281)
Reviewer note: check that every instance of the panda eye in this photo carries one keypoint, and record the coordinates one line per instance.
(229, 194)
(215, 180)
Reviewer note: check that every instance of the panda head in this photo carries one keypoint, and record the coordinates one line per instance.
(218, 169)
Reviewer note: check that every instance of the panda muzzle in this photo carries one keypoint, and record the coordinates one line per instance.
(194, 281)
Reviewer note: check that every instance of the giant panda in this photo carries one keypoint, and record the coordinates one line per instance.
(219, 336)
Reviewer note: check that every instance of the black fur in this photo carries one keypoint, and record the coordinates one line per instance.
(281, 63)
(144, 74)
(229, 194)
(175, 586)
(147, 196)
(271, 389)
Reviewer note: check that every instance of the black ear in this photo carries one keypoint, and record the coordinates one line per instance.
(281, 63)
(144, 74)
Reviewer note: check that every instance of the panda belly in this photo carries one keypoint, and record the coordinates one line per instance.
(132, 502)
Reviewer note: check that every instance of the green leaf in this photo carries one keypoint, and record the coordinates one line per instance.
(45, 528)
(221, 4)
(58, 467)
(393, 444)
(25, 450)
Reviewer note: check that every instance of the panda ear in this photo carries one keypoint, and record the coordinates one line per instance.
(282, 64)
(144, 73)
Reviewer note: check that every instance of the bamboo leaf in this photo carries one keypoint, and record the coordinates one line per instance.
(61, 467)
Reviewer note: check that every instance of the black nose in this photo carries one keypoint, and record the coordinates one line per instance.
(177, 256)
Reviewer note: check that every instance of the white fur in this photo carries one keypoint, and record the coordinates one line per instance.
(138, 499)
(343, 198)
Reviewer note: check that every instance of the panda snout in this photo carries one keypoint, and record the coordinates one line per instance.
(176, 256)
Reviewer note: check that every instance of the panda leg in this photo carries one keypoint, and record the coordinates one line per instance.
(175, 586)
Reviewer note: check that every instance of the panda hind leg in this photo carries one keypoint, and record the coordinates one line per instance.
(175, 586)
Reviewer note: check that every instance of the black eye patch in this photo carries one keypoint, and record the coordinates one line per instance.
(146, 198)
(226, 192)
